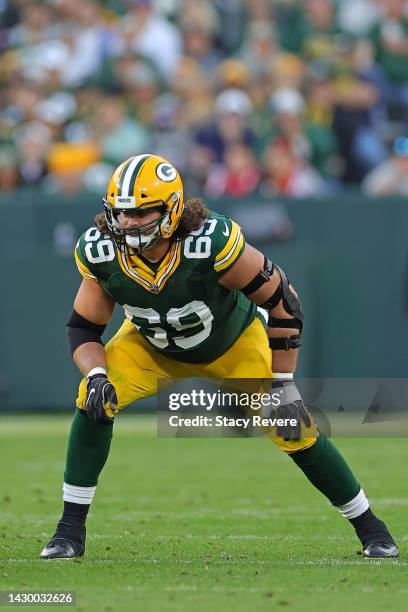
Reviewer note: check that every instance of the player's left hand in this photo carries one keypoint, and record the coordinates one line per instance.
(291, 407)
(101, 400)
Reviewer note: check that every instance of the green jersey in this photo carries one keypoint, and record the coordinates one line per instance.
(179, 308)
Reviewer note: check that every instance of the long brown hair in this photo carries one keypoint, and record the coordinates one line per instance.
(194, 214)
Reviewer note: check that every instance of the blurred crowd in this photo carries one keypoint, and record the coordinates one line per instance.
(266, 97)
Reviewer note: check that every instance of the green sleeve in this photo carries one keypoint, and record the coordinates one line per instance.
(94, 255)
(85, 267)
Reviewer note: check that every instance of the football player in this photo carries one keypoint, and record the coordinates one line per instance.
(189, 286)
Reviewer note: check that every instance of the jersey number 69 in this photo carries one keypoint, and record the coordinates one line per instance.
(159, 337)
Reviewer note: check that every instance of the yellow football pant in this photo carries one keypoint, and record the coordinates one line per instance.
(134, 368)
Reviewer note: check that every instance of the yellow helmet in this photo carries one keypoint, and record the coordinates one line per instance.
(144, 182)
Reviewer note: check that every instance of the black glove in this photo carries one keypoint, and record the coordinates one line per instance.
(101, 401)
(291, 407)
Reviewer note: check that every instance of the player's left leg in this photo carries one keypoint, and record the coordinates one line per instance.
(318, 458)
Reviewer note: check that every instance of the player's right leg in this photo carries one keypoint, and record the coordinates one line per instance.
(134, 369)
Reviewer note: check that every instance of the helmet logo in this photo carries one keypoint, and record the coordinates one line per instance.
(166, 172)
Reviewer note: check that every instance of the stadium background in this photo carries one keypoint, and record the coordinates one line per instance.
(347, 257)
(289, 116)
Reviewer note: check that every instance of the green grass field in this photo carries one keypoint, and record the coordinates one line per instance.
(198, 524)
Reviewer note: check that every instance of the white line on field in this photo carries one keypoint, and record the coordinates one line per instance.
(390, 501)
(232, 561)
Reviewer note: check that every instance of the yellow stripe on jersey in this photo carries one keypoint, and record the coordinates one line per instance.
(232, 249)
(235, 229)
(164, 273)
(82, 268)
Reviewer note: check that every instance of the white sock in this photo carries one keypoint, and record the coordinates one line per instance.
(355, 507)
(78, 495)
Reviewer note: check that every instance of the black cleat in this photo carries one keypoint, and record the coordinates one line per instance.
(68, 542)
(381, 550)
(373, 534)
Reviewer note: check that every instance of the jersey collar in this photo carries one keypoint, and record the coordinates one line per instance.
(152, 280)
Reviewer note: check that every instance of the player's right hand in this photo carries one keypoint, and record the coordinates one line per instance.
(101, 401)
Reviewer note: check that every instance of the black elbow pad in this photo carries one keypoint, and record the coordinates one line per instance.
(292, 306)
(81, 330)
(260, 279)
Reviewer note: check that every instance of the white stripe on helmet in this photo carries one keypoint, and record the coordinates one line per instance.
(129, 173)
